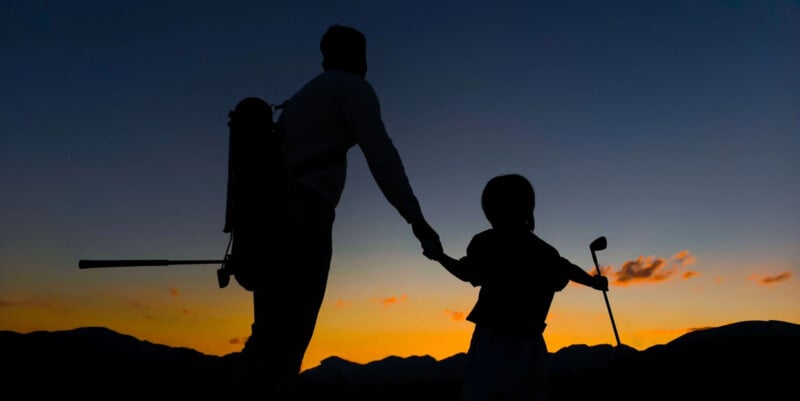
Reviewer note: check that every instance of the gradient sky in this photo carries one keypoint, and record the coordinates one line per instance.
(671, 128)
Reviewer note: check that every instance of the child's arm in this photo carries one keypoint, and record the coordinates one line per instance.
(454, 266)
(578, 275)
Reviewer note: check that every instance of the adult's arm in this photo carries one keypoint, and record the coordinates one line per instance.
(363, 116)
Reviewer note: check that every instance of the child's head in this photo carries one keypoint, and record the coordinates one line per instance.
(508, 202)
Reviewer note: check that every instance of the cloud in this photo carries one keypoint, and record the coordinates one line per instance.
(457, 316)
(173, 291)
(689, 274)
(769, 280)
(393, 300)
(651, 269)
(683, 258)
(342, 303)
(643, 269)
(604, 270)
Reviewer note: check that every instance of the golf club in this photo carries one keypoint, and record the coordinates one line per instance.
(599, 244)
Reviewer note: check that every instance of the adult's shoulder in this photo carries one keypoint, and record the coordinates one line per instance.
(356, 97)
(345, 88)
(352, 83)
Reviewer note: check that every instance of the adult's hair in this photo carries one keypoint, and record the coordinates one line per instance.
(508, 201)
(343, 48)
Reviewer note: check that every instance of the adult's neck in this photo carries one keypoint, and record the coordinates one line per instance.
(349, 70)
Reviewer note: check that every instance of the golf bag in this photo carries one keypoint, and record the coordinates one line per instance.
(254, 193)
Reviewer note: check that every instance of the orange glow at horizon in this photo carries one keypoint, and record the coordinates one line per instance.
(362, 324)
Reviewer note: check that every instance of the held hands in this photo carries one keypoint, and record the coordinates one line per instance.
(430, 251)
(428, 238)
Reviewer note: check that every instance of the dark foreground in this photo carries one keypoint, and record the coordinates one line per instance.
(747, 360)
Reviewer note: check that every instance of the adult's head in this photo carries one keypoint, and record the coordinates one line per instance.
(344, 48)
(508, 202)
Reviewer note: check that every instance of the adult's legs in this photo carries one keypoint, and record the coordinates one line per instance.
(286, 306)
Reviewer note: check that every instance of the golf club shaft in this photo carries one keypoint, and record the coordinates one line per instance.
(605, 297)
(94, 264)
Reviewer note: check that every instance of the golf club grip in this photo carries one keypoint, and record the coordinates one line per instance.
(93, 264)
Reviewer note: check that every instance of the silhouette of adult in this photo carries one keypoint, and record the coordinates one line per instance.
(519, 274)
(332, 113)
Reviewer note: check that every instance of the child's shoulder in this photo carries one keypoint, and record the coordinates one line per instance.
(495, 235)
(543, 245)
(485, 233)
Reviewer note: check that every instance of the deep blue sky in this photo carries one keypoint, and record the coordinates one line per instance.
(665, 126)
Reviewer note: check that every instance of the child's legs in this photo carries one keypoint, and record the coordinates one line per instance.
(483, 360)
(534, 381)
(506, 366)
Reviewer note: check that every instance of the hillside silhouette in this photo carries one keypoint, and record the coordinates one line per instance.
(743, 360)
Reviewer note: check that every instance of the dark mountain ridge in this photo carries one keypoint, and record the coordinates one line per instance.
(749, 359)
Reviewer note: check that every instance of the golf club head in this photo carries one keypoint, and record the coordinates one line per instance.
(598, 244)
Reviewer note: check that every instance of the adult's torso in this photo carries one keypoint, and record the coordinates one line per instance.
(315, 134)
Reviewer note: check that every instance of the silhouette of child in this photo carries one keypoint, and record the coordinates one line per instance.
(519, 274)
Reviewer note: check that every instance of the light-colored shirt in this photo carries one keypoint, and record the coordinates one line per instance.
(329, 115)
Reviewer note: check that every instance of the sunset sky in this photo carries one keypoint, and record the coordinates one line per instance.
(669, 127)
